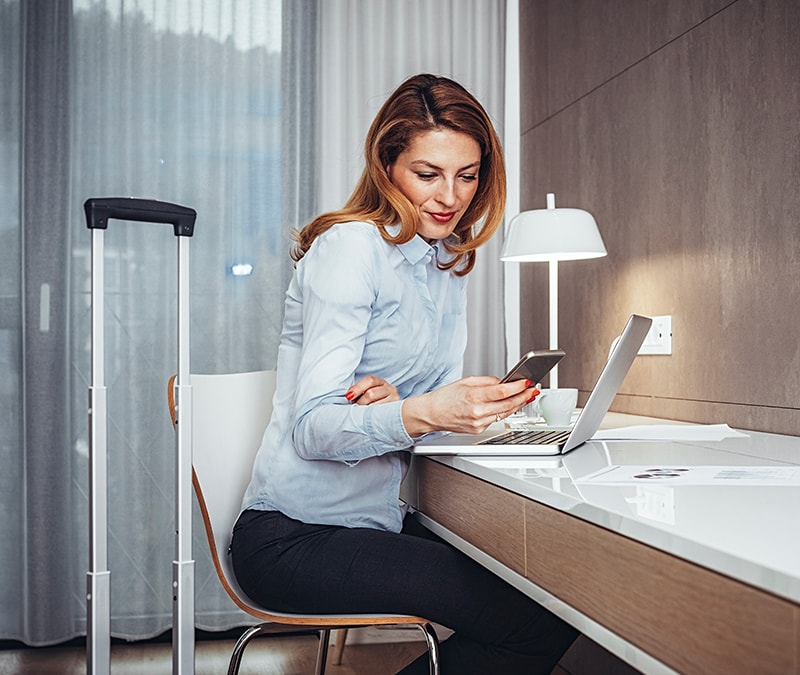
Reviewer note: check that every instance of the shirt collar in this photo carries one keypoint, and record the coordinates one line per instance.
(414, 250)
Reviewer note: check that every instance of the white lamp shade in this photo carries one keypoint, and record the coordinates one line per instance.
(552, 234)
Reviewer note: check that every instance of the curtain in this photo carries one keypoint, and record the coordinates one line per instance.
(367, 47)
(11, 401)
(242, 110)
(190, 101)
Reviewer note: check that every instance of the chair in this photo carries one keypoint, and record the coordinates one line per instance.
(230, 414)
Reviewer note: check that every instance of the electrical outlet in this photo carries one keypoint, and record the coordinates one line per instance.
(659, 338)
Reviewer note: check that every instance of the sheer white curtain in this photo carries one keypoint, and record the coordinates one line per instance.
(367, 47)
(187, 101)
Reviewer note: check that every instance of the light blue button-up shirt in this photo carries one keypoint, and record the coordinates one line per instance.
(357, 305)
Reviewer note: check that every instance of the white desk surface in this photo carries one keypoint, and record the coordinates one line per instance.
(747, 532)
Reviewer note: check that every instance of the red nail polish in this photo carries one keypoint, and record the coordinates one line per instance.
(527, 383)
(349, 395)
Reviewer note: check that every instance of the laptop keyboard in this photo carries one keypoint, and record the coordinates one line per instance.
(528, 437)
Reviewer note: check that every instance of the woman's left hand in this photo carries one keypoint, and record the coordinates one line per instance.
(371, 389)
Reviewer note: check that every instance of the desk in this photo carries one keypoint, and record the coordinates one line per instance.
(709, 585)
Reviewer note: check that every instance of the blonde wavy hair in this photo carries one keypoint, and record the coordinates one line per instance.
(422, 103)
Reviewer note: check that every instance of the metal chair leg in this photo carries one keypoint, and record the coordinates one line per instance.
(431, 640)
(433, 646)
(238, 649)
(322, 652)
(338, 648)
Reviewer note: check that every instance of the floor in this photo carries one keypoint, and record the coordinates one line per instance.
(281, 655)
(278, 655)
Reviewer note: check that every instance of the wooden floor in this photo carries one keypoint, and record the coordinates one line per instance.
(278, 655)
(281, 655)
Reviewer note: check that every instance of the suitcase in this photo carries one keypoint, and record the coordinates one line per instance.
(98, 612)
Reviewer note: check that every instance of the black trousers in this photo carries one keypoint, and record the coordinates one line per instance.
(289, 566)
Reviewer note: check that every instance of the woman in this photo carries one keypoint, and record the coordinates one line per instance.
(369, 361)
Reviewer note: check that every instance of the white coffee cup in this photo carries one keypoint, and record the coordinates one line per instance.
(557, 406)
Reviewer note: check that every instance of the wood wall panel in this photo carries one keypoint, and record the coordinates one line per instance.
(689, 158)
(570, 47)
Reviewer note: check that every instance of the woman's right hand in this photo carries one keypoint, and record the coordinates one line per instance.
(468, 405)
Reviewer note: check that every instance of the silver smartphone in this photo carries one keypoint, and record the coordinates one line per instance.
(534, 365)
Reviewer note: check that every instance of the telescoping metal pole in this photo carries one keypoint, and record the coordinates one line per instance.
(98, 622)
(183, 565)
(98, 611)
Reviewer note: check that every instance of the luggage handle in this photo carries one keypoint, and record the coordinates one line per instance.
(99, 210)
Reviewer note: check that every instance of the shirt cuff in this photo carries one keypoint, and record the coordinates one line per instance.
(384, 422)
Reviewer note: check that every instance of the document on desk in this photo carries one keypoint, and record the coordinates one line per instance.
(694, 475)
(669, 432)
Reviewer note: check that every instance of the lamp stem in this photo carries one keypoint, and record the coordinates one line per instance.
(553, 268)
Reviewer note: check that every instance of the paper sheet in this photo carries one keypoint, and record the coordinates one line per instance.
(694, 475)
(669, 432)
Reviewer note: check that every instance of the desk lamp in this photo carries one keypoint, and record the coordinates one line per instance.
(551, 235)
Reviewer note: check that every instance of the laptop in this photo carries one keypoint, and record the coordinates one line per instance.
(552, 441)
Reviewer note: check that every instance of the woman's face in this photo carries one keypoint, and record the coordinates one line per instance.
(438, 174)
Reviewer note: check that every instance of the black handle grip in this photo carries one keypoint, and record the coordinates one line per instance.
(99, 210)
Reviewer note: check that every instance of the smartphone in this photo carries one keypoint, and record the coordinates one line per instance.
(534, 365)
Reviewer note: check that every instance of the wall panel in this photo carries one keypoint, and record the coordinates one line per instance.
(573, 46)
(689, 158)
